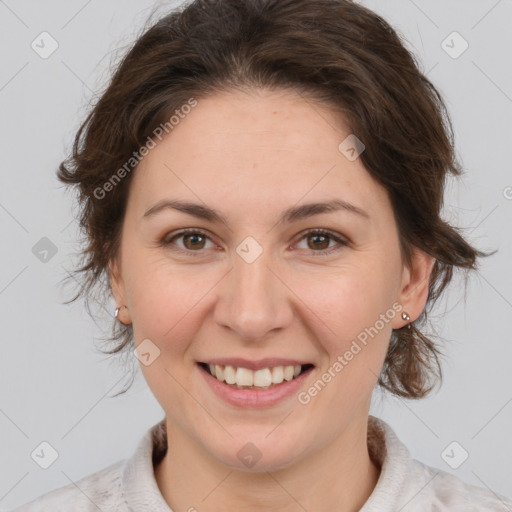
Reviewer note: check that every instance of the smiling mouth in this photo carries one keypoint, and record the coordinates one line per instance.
(265, 378)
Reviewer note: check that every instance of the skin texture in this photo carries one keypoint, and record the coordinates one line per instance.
(250, 155)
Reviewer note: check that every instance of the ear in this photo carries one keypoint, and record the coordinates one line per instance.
(118, 291)
(414, 286)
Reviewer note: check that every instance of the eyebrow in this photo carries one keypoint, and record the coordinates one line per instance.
(293, 214)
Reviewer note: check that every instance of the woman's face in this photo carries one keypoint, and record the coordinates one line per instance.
(255, 290)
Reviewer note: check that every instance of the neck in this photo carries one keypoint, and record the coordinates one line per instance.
(341, 476)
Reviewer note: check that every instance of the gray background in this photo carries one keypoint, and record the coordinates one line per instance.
(55, 387)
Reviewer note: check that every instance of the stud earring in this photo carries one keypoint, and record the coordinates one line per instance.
(116, 312)
(406, 317)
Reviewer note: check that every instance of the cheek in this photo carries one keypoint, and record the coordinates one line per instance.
(159, 295)
(350, 299)
(167, 309)
(169, 301)
(354, 340)
(353, 309)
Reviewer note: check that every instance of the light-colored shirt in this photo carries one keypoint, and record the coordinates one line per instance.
(404, 484)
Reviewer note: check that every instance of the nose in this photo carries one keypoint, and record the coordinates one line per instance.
(253, 301)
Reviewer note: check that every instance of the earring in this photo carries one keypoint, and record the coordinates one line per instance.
(116, 312)
(406, 317)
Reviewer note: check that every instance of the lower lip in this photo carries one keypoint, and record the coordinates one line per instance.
(254, 397)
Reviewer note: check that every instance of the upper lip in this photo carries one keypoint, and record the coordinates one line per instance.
(269, 362)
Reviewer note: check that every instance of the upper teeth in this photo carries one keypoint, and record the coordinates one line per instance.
(259, 378)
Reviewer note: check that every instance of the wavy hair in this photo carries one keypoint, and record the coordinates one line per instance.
(335, 51)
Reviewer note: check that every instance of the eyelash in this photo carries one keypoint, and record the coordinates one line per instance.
(322, 232)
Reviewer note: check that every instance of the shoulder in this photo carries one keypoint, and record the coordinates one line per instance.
(408, 485)
(121, 487)
(100, 490)
(442, 491)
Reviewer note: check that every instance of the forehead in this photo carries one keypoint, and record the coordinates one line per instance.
(237, 121)
(258, 147)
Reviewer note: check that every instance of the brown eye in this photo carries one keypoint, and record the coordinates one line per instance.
(189, 241)
(318, 241)
(194, 241)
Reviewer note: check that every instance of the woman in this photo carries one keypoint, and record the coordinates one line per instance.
(261, 185)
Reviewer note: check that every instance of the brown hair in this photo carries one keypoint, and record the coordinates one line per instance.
(335, 51)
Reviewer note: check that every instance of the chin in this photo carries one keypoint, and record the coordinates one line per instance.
(257, 453)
